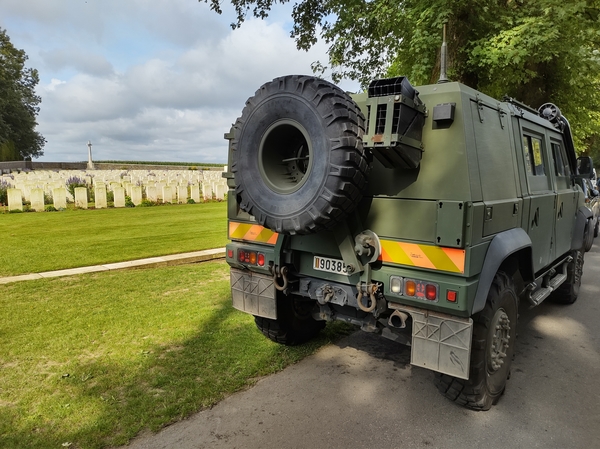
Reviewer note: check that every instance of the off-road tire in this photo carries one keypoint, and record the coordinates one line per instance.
(294, 324)
(568, 291)
(297, 155)
(588, 236)
(490, 366)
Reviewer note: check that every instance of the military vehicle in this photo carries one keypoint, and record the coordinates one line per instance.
(423, 214)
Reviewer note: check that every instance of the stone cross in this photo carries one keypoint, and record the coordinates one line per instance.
(90, 164)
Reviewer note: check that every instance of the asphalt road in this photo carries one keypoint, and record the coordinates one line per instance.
(363, 393)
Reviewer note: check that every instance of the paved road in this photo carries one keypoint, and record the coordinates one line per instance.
(362, 393)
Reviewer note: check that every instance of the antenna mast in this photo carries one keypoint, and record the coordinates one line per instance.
(443, 57)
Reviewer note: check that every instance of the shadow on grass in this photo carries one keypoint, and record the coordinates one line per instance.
(163, 385)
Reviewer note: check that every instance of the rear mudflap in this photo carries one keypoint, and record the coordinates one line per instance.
(440, 342)
(253, 293)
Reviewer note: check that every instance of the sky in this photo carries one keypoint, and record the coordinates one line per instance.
(143, 80)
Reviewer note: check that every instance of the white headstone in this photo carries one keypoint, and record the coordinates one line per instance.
(15, 199)
(100, 197)
(136, 195)
(195, 192)
(59, 197)
(152, 193)
(182, 194)
(159, 187)
(221, 191)
(37, 200)
(81, 199)
(206, 191)
(167, 194)
(127, 186)
(119, 193)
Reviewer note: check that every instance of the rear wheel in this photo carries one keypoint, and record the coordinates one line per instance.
(494, 333)
(294, 324)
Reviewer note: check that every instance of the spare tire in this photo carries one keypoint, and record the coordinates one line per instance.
(297, 155)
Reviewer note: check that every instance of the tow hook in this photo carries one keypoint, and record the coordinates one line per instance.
(367, 292)
(278, 273)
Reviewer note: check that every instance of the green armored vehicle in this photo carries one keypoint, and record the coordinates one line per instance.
(423, 214)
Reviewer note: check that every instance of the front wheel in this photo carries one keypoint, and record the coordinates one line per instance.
(493, 345)
(568, 292)
(588, 235)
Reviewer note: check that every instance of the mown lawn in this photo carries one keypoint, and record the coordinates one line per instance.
(89, 361)
(45, 241)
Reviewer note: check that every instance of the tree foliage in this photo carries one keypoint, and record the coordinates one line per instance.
(534, 50)
(19, 105)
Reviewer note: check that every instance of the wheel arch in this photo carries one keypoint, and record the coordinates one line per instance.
(509, 251)
(583, 215)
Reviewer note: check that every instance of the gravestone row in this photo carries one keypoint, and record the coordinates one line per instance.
(168, 186)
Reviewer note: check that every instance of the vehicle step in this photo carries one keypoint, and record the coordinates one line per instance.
(557, 280)
(544, 292)
(540, 295)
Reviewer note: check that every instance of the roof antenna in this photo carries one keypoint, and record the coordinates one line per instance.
(443, 57)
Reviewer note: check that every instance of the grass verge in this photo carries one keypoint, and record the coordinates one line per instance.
(89, 361)
(45, 241)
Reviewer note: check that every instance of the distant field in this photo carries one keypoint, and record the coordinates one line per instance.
(45, 241)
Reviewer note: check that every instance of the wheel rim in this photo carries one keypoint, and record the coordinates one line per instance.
(285, 156)
(499, 341)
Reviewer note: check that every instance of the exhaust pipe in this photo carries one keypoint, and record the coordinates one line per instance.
(398, 319)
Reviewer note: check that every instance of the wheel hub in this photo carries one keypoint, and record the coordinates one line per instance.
(499, 341)
(285, 157)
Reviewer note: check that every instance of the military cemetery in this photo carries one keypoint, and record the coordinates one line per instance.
(35, 190)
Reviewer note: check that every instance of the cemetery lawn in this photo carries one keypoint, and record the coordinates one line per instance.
(46, 241)
(89, 361)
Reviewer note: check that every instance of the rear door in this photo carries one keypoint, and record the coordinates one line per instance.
(541, 195)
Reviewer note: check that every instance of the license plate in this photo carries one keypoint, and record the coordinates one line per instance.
(329, 265)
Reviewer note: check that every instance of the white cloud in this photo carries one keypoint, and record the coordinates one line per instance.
(160, 82)
(78, 59)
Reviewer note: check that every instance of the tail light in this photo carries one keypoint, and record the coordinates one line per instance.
(251, 257)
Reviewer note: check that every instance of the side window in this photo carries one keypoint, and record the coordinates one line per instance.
(560, 160)
(561, 165)
(534, 160)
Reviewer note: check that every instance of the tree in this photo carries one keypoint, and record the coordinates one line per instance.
(536, 51)
(18, 105)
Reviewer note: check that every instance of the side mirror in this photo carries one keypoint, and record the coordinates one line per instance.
(585, 167)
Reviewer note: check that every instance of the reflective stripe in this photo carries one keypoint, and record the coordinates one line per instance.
(251, 232)
(423, 256)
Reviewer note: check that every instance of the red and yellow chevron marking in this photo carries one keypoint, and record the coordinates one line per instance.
(251, 232)
(423, 256)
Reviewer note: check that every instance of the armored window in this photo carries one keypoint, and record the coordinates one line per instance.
(560, 160)
(534, 158)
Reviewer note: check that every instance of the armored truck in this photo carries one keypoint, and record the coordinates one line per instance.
(424, 214)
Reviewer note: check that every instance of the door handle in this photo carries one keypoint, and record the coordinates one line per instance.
(536, 217)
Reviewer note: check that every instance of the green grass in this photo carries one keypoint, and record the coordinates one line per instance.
(94, 359)
(45, 241)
